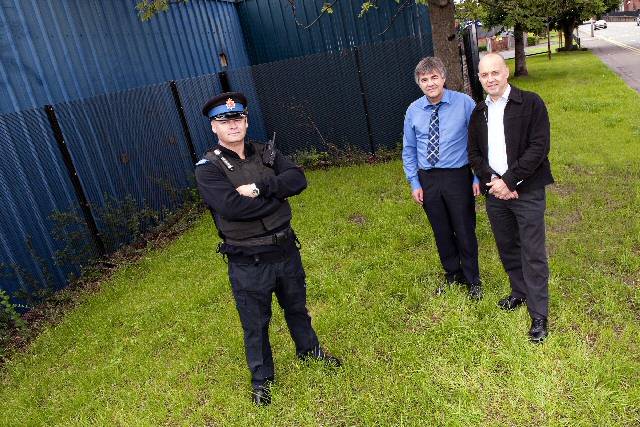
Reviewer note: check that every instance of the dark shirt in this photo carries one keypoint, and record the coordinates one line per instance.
(221, 197)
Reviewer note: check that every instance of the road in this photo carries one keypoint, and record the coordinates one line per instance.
(619, 47)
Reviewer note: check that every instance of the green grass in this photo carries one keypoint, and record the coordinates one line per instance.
(161, 343)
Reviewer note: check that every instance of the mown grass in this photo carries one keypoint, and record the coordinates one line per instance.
(161, 343)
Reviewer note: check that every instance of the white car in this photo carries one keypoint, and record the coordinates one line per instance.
(638, 20)
(600, 24)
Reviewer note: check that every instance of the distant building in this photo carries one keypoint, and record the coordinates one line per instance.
(629, 5)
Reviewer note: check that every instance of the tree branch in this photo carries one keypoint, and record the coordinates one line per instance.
(325, 9)
(395, 15)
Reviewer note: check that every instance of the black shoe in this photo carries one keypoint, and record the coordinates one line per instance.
(449, 279)
(475, 292)
(538, 331)
(321, 354)
(261, 395)
(511, 303)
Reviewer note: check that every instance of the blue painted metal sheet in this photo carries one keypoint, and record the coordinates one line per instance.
(272, 33)
(62, 50)
(34, 184)
(128, 146)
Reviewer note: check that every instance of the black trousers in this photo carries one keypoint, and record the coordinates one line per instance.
(518, 227)
(252, 285)
(450, 206)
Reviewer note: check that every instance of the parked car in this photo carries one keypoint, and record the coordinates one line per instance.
(638, 20)
(600, 24)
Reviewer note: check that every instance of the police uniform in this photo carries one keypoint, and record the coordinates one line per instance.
(258, 242)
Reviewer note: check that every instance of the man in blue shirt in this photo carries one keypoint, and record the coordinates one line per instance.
(436, 165)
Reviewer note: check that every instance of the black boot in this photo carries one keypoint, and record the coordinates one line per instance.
(538, 331)
(475, 292)
(261, 395)
(511, 303)
(318, 353)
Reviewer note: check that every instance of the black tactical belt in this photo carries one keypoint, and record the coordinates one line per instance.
(274, 239)
(267, 257)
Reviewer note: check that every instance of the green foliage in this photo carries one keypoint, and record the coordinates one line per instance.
(366, 7)
(532, 40)
(70, 228)
(334, 156)
(327, 8)
(10, 321)
(125, 221)
(33, 288)
(147, 9)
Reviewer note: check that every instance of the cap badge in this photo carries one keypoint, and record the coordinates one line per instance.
(231, 104)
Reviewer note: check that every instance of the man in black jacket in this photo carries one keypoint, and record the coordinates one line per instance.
(245, 186)
(508, 149)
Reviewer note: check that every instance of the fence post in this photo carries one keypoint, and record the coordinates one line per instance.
(224, 81)
(75, 180)
(183, 120)
(364, 100)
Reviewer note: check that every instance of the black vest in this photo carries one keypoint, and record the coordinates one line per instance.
(247, 171)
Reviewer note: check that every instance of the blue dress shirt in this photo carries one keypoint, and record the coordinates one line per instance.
(454, 119)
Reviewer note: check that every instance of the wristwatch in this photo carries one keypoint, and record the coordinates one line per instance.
(255, 191)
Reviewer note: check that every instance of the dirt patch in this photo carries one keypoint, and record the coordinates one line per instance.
(357, 218)
(562, 189)
(566, 224)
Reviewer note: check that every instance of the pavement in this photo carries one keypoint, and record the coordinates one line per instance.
(618, 46)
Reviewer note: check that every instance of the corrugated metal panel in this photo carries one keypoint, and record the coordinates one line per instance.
(272, 34)
(33, 184)
(62, 50)
(127, 146)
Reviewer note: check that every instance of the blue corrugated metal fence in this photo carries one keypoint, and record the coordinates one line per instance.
(272, 34)
(63, 50)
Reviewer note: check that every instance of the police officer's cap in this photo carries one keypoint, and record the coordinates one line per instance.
(227, 105)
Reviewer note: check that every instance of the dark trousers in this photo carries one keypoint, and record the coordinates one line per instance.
(450, 206)
(518, 227)
(252, 286)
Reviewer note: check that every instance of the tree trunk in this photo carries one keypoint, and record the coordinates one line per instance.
(567, 29)
(445, 41)
(521, 57)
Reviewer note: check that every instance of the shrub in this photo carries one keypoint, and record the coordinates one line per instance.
(334, 156)
(10, 320)
(532, 40)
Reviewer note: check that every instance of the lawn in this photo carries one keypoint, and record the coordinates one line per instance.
(161, 343)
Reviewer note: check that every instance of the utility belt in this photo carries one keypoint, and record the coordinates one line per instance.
(278, 239)
(286, 240)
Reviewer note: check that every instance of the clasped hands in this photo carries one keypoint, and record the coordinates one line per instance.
(499, 190)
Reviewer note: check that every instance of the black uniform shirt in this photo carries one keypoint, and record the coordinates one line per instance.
(220, 195)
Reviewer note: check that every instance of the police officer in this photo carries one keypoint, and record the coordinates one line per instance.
(245, 186)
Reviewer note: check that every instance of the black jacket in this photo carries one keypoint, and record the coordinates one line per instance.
(526, 131)
(222, 199)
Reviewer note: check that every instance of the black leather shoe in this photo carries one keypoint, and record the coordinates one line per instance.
(449, 279)
(321, 354)
(261, 395)
(538, 331)
(511, 303)
(475, 292)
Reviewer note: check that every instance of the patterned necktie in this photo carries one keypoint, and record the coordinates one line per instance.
(433, 145)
